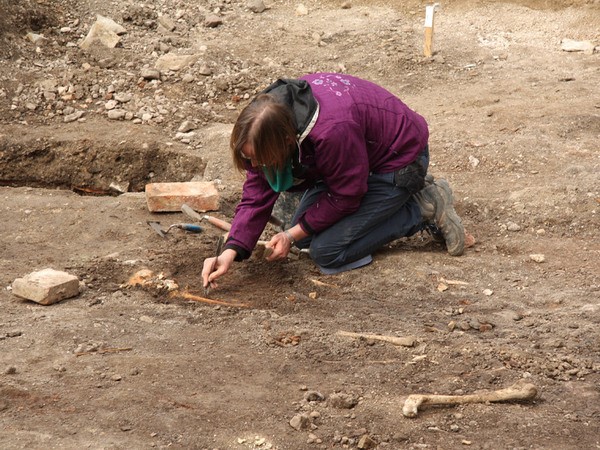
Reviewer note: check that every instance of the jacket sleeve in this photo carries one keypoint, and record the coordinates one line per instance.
(251, 214)
(341, 156)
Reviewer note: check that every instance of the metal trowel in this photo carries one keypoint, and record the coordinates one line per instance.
(193, 228)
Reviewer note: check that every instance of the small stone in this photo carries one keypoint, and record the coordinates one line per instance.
(116, 114)
(537, 257)
(205, 70)
(212, 21)
(11, 370)
(188, 78)
(173, 62)
(314, 396)
(485, 327)
(256, 6)
(343, 401)
(474, 323)
(186, 126)
(301, 10)
(123, 98)
(570, 45)
(111, 104)
(37, 39)
(464, 325)
(150, 74)
(366, 442)
(511, 226)
(300, 422)
(167, 23)
(103, 32)
(73, 117)
(488, 292)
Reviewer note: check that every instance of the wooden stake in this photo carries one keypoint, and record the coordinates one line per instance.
(428, 45)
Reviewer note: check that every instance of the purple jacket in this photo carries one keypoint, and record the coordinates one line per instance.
(360, 128)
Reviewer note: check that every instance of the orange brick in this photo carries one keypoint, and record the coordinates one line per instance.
(168, 197)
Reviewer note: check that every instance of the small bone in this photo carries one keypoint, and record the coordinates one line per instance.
(408, 341)
(517, 391)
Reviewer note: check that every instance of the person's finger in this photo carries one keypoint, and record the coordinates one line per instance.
(216, 274)
(207, 270)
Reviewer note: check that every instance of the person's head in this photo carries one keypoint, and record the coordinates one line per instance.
(264, 134)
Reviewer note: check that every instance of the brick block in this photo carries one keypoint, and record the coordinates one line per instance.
(46, 286)
(168, 197)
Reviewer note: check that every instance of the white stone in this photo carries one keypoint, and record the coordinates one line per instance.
(46, 286)
(174, 62)
(537, 257)
(569, 45)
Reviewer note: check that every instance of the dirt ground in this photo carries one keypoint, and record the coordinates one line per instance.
(515, 127)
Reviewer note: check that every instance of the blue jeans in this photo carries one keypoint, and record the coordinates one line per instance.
(387, 212)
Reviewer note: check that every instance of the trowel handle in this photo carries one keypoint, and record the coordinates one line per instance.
(191, 227)
(225, 226)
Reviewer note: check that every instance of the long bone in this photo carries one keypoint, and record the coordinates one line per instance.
(517, 391)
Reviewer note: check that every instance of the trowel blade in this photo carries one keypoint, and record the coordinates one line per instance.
(156, 227)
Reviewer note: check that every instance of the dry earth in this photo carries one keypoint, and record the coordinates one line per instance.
(515, 127)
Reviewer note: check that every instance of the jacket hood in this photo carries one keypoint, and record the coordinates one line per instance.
(297, 94)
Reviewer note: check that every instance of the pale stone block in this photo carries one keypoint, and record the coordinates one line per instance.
(168, 197)
(46, 286)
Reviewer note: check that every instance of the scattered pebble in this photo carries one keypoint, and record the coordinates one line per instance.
(537, 257)
(300, 422)
(314, 396)
(256, 6)
(301, 10)
(342, 401)
(511, 226)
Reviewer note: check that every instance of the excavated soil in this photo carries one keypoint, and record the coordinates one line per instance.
(515, 127)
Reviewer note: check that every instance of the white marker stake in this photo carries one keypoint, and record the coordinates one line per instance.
(428, 46)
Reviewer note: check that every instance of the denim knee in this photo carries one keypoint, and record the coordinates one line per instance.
(322, 255)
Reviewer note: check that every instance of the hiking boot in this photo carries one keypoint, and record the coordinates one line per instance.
(435, 201)
(436, 234)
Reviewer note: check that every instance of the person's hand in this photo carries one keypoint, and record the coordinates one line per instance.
(216, 267)
(281, 244)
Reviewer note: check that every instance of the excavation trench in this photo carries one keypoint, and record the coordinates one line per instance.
(118, 162)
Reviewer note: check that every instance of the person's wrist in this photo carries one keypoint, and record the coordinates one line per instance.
(290, 237)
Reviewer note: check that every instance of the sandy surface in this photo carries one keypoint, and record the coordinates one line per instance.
(515, 126)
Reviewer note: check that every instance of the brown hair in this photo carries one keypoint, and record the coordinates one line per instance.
(268, 126)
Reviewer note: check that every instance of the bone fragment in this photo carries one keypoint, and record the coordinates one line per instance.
(407, 341)
(517, 391)
(197, 298)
